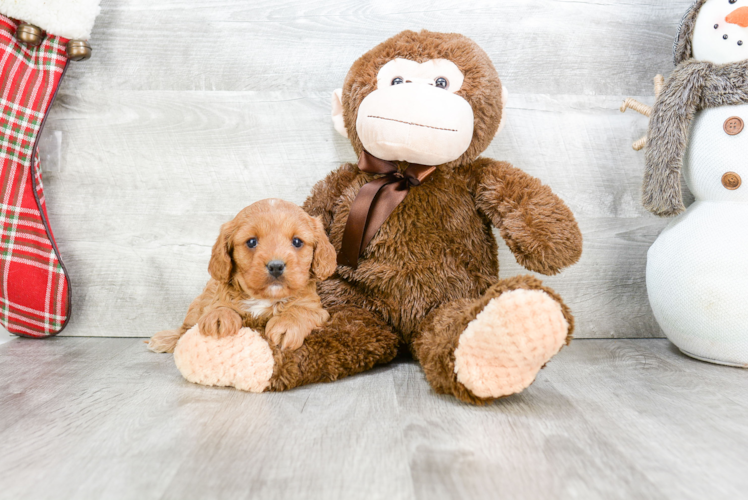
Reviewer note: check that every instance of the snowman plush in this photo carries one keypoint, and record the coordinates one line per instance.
(697, 269)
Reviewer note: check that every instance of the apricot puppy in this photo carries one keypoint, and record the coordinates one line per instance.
(264, 271)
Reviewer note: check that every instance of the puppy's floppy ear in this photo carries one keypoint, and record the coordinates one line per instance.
(220, 265)
(324, 261)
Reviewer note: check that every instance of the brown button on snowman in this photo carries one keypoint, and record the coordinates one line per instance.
(731, 181)
(733, 125)
(697, 269)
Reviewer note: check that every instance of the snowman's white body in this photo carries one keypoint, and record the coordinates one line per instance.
(697, 269)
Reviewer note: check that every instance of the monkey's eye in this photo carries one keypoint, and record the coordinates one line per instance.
(441, 82)
(397, 80)
(297, 243)
(252, 242)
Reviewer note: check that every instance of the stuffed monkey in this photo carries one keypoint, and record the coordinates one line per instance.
(412, 225)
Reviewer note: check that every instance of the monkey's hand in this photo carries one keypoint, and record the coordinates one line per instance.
(220, 322)
(537, 226)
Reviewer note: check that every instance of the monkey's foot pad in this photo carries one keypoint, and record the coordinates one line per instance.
(502, 350)
(244, 360)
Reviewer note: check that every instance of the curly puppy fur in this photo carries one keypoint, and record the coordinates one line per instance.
(693, 86)
(241, 291)
(433, 263)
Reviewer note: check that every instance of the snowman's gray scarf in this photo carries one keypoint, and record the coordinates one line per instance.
(692, 86)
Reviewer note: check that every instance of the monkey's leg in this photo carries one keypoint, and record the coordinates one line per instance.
(484, 349)
(354, 340)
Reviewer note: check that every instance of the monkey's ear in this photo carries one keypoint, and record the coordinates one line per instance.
(337, 112)
(504, 99)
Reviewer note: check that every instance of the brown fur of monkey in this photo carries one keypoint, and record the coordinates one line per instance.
(433, 266)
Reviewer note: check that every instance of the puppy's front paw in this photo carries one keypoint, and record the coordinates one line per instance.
(292, 333)
(220, 322)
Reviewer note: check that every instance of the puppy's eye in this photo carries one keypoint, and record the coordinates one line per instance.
(733, 1)
(441, 82)
(252, 242)
(397, 80)
(297, 243)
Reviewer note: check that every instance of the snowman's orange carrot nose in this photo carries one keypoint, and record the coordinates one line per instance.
(739, 17)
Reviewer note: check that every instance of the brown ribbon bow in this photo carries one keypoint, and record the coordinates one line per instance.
(375, 202)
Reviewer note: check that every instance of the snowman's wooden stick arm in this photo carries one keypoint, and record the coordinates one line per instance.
(659, 84)
(639, 145)
(631, 103)
(637, 106)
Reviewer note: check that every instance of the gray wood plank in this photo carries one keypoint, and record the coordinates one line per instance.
(5, 336)
(543, 47)
(669, 405)
(33, 372)
(606, 419)
(105, 418)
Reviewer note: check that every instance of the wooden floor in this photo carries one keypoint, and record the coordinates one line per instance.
(5, 336)
(105, 418)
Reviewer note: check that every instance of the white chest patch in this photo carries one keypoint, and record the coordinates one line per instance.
(259, 307)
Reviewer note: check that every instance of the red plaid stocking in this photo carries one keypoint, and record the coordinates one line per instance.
(34, 287)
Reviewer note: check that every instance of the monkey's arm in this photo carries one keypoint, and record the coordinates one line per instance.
(326, 193)
(538, 227)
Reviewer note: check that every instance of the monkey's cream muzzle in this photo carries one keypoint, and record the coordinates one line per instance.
(415, 122)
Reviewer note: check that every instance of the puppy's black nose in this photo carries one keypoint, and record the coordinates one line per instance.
(276, 268)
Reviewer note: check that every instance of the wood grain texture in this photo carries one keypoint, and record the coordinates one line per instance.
(190, 111)
(105, 418)
(541, 47)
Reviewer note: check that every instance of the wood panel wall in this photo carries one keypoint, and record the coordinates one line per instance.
(190, 110)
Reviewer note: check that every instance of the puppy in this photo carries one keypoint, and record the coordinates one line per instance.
(264, 271)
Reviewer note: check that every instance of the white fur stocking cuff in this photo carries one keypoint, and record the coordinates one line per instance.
(72, 19)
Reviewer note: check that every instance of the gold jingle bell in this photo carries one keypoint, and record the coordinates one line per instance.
(78, 50)
(29, 34)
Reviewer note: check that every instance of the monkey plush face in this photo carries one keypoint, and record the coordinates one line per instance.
(428, 98)
(415, 115)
